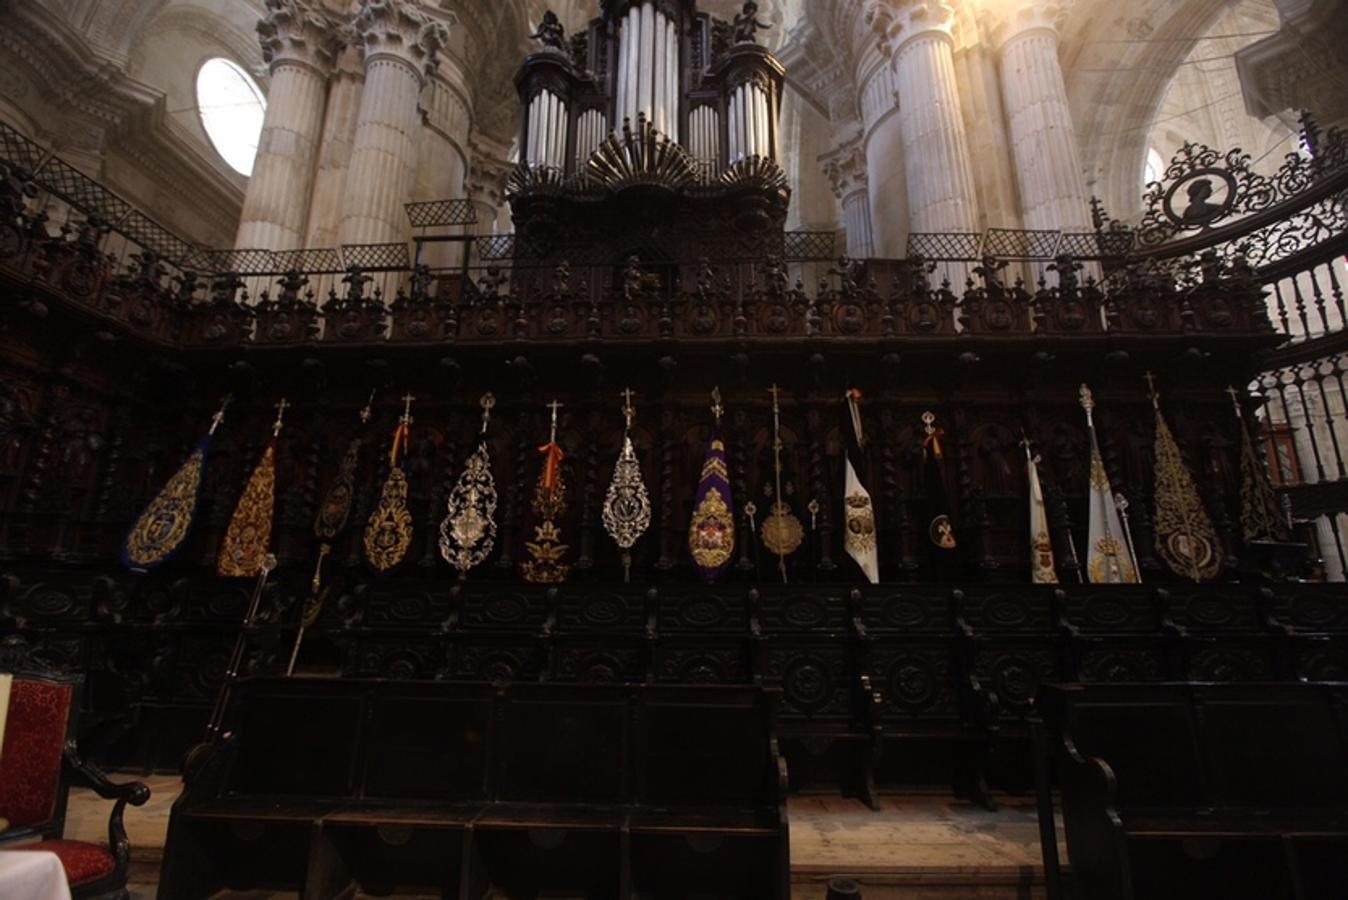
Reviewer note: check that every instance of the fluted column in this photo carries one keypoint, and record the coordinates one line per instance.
(941, 193)
(882, 144)
(297, 42)
(400, 45)
(334, 151)
(846, 169)
(1043, 139)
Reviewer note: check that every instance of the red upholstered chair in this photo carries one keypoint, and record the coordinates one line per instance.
(38, 764)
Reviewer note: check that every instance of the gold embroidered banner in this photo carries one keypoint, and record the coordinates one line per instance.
(162, 529)
(248, 537)
(249, 533)
(547, 553)
(388, 533)
(164, 525)
(1185, 537)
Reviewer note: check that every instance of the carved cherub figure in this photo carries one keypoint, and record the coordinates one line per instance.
(550, 32)
(747, 25)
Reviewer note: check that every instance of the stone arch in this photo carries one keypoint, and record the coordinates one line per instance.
(1118, 66)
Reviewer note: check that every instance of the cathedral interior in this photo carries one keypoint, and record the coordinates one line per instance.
(673, 449)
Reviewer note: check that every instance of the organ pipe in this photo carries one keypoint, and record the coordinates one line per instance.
(736, 109)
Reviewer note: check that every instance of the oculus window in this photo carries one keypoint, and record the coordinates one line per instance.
(231, 107)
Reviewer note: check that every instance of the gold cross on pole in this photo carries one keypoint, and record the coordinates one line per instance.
(555, 405)
(369, 408)
(220, 413)
(407, 408)
(488, 403)
(1151, 389)
(280, 416)
(717, 409)
(629, 411)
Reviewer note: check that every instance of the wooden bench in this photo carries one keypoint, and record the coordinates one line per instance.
(1198, 790)
(934, 720)
(473, 789)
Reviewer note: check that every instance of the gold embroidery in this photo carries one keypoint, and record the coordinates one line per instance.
(1111, 565)
(942, 532)
(249, 532)
(389, 531)
(782, 531)
(468, 532)
(163, 527)
(1185, 537)
(860, 533)
(336, 507)
(1042, 559)
(627, 507)
(711, 536)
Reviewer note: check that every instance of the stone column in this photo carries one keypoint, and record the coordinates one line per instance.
(297, 42)
(1043, 138)
(846, 168)
(941, 193)
(400, 45)
(334, 151)
(881, 131)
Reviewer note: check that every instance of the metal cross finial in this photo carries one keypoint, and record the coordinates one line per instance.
(407, 408)
(852, 397)
(369, 408)
(929, 421)
(1025, 442)
(717, 409)
(1151, 389)
(220, 413)
(1235, 401)
(488, 403)
(1087, 399)
(555, 405)
(280, 416)
(629, 411)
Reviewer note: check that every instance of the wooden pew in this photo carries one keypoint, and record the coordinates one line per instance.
(934, 720)
(1198, 790)
(471, 789)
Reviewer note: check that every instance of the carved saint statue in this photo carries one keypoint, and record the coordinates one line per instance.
(747, 24)
(550, 32)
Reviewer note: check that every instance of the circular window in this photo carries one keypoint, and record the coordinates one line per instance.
(232, 108)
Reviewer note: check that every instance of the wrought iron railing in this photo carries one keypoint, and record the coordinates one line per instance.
(1291, 228)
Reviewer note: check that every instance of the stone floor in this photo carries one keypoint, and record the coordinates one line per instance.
(915, 847)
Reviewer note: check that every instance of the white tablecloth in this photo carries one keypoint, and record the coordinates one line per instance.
(32, 875)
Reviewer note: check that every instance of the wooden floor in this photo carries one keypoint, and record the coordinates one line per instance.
(916, 847)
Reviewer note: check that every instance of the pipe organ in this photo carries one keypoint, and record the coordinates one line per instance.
(691, 79)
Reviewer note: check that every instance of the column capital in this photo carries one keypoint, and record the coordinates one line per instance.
(298, 32)
(1024, 16)
(845, 167)
(918, 17)
(485, 183)
(401, 30)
